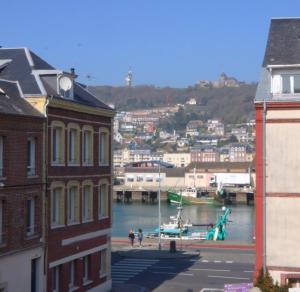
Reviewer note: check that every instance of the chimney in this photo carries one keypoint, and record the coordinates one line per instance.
(72, 71)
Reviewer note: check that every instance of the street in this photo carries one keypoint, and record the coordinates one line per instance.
(213, 269)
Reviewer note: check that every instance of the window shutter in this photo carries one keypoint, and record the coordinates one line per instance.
(76, 204)
(61, 207)
(276, 84)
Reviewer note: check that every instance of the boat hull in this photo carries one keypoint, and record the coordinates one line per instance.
(185, 200)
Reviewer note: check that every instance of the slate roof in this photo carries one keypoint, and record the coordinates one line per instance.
(20, 69)
(11, 101)
(283, 46)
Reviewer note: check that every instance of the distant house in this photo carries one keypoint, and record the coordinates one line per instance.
(192, 101)
(127, 127)
(178, 159)
(241, 134)
(204, 154)
(192, 128)
(237, 152)
(118, 137)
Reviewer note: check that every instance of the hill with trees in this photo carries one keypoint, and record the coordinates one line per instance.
(229, 104)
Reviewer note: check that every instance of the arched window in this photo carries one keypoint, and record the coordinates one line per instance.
(57, 204)
(57, 143)
(103, 146)
(103, 199)
(87, 145)
(73, 144)
(87, 201)
(73, 203)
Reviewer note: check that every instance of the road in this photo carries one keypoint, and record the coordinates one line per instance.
(213, 269)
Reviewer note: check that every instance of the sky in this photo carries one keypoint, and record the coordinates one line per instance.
(165, 42)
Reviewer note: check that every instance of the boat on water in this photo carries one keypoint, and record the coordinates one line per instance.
(177, 229)
(190, 196)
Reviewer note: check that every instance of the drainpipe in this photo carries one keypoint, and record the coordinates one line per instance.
(264, 188)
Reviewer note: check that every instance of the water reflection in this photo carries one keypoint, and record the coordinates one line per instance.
(145, 216)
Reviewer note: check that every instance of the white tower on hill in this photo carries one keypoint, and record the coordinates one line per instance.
(128, 79)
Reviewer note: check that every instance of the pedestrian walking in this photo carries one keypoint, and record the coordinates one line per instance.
(140, 237)
(131, 237)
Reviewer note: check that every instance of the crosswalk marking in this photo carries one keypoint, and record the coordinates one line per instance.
(128, 268)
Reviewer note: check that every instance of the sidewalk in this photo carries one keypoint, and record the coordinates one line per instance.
(122, 242)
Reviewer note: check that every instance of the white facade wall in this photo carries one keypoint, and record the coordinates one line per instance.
(178, 159)
(15, 271)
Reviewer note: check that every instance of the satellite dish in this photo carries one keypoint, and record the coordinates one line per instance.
(65, 83)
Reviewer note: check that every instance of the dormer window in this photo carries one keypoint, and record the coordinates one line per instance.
(286, 83)
(65, 86)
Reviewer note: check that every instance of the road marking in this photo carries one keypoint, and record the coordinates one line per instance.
(229, 262)
(134, 264)
(225, 277)
(217, 261)
(163, 268)
(248, 271)
(177, 274)
(213, 270)
(205, 261)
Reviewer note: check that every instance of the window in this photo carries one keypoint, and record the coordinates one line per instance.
(103, 262)
(58, 143)
(149, 178)
(72, 274)
(31, 144)
(103, 200)
(87, 203)
(30, 214)
(57, 207)
(130, 178)
(1, 155)
(73, 144)
(55, 279)
(73, 204)
(139, 178)
(103, 147)
(1, 222)
(86, 261)
(87, 145)
(286, 83)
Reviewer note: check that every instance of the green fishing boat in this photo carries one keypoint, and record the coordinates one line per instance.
(189, 197)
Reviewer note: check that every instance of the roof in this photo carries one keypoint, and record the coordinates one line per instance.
(220, 165)
(283, 45)
(12, 102)
(23, 68)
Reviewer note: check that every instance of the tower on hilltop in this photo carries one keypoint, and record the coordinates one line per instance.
(128, 79)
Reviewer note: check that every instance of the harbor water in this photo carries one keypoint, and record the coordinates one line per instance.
(145, 216)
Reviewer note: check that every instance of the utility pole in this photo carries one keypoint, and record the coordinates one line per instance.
(159, 213)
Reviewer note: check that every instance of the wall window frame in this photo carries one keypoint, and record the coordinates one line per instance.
(73, 145)
(1, 156)
(86, 270)
(31, 156)
(104, 142)
(72, 275)
(2, 225)
(87, 145)
(57, 143)
(30, 216)
(87, 201)
(73, 203)
(57, 205)
(103, 263)
(103, 199)
(56, 279)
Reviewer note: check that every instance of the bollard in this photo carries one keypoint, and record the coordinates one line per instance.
(173, 246)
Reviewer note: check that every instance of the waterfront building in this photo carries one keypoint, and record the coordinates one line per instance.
(77, 171)
(277, 109)
(22, 189)
(241, 134)
(237, 152)
(192, 128)
(178, 159)
(204, 154)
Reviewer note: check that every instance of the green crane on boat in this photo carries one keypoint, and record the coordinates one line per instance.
(218, 232)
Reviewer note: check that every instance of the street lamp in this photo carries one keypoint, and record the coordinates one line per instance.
(159, 213)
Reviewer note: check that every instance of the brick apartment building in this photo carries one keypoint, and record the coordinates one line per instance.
(77, 169)
(277, 155)
(21, 192)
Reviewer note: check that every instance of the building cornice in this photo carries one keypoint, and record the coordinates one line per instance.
(69, 105)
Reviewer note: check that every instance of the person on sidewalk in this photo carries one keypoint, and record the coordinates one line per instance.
(140, 237)
(131, 237)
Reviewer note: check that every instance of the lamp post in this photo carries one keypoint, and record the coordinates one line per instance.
(159, 213)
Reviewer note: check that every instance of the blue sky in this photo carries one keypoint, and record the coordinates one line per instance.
(166, 42)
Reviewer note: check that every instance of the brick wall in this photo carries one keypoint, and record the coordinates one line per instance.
(17, 186)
